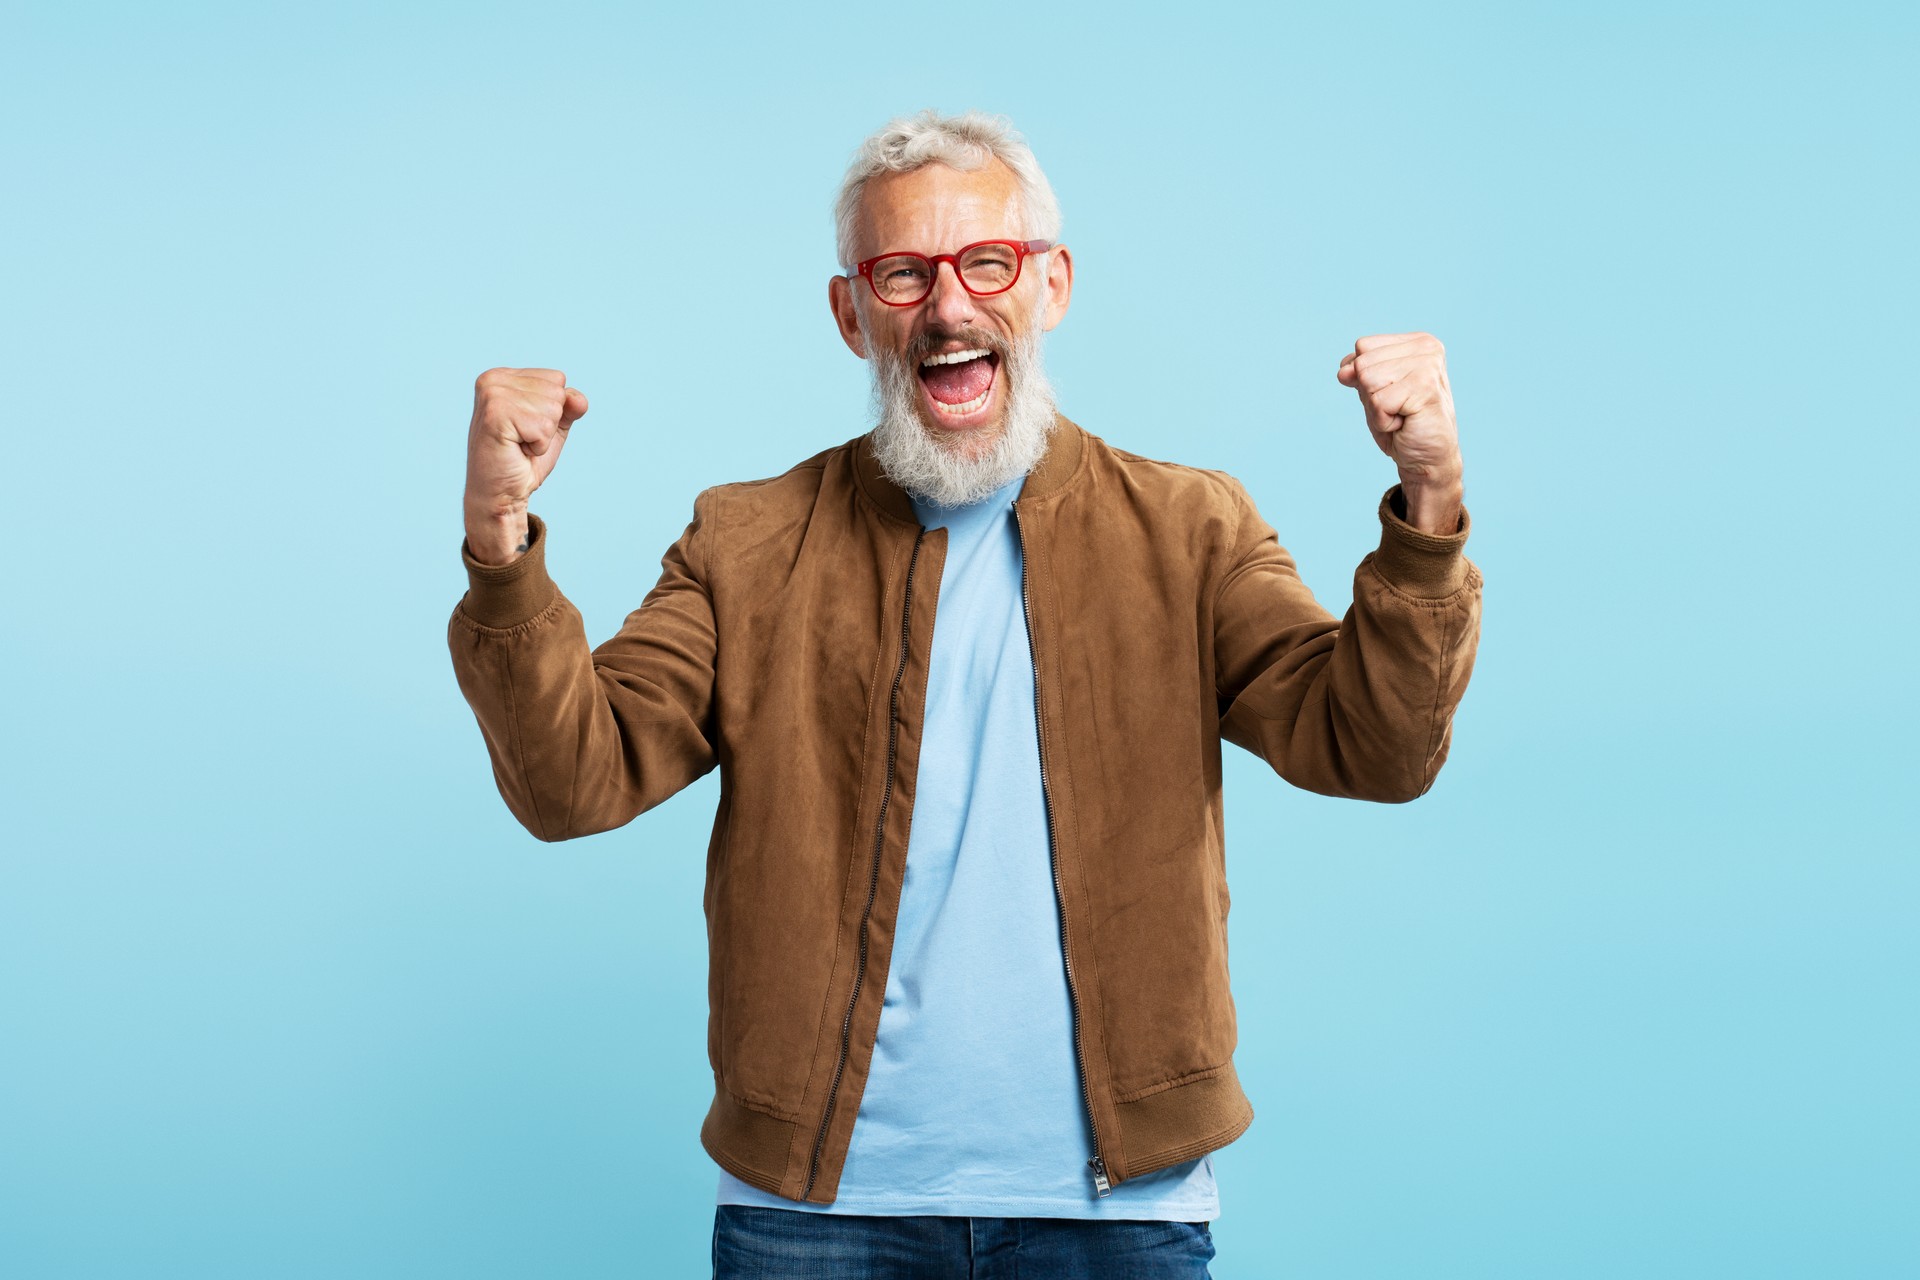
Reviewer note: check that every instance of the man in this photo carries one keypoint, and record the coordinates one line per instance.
(966, 677)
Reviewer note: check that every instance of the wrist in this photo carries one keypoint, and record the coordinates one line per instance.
(481, 509)
(1433, 502)
(495, 536)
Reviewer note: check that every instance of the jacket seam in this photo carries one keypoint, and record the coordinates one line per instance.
(1243, 564)
(709, 530)
(579, 751)
(1183, 468)
(855, 838)
(1241, 701)
(520, 749)
(852, 450)
(1433, 712)
(1080, 867)
(1239, 567)
(868, 955)
(1227, 580)
(521, 628)
(773, 1109)
(1081, 464)
(1466, 587)
(1191, 1077)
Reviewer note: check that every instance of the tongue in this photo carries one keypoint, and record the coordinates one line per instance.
(958, 383)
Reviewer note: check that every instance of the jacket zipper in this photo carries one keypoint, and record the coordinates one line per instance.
(873, 875)
(1097, 1165)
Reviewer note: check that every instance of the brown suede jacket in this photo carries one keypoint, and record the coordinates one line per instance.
(787, 642)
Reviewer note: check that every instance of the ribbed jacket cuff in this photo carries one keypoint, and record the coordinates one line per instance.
(505, 595)
(1428, 565)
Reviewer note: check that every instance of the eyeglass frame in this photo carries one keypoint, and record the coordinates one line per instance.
(1021, 249)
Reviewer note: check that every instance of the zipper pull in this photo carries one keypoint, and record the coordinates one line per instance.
(1100, 1184)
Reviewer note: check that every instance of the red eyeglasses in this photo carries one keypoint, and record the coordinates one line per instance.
(985, 267)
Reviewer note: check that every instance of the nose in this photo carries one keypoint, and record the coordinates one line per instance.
(949, 305)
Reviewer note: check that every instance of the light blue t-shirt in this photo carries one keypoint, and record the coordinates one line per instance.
(973, 1103)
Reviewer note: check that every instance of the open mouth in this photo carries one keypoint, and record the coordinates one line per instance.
(959, 383)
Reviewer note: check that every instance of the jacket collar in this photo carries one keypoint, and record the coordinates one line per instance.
(1056, 467)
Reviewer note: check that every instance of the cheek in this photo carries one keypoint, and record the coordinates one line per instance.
(1023, 310)
(879, 331)
(1005, 320)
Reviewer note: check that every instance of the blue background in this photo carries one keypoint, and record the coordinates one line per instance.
(284, 990)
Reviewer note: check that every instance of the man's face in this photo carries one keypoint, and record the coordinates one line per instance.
(936, 209)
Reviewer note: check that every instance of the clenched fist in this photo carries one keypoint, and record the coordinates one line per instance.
(1402, 381)
(520, 422)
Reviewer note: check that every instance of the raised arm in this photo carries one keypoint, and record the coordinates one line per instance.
(1360, 706)
(1364, 706)
(582, 740)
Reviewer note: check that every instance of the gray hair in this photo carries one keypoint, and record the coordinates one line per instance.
(966, 142)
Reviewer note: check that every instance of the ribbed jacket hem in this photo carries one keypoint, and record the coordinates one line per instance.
(1181, 1123)
(1425, 565)
(1158, 1130)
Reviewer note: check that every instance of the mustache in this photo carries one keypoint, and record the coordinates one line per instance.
(931, 341)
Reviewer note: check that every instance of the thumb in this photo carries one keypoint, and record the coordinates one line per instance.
(574, 408)
(544, 459)
(1381, 421)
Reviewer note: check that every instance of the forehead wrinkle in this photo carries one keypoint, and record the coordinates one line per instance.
(953, 208)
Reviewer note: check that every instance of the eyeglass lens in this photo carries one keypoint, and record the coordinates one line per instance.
(908, 277)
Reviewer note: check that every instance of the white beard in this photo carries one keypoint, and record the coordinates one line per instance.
(911, 454)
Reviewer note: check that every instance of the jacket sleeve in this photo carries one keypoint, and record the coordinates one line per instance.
(1361, 706)
(584, 740)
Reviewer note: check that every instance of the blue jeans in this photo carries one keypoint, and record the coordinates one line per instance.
(753, 1242)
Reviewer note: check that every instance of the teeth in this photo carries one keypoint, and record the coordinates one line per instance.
(968, 407)
(954, 357)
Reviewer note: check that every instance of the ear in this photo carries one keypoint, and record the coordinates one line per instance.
(840, 298)
(1059, 285)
